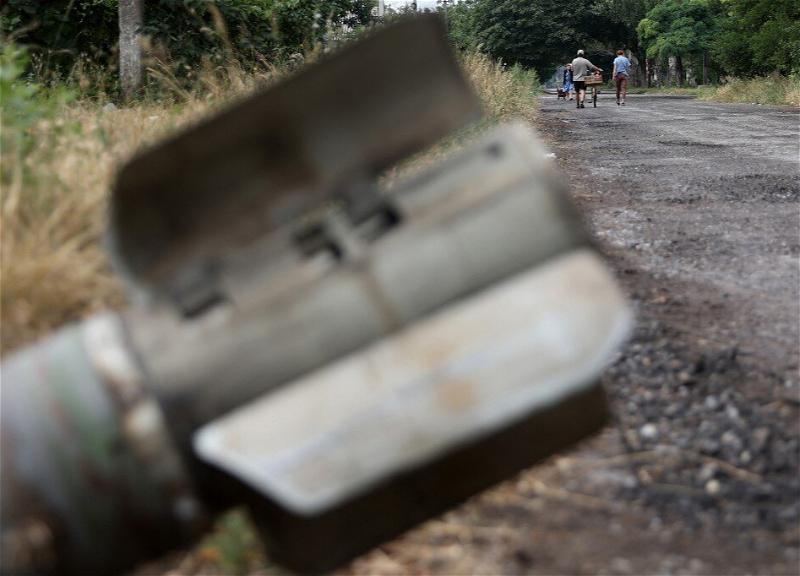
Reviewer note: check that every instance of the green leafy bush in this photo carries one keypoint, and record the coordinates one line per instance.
(56, 31)
(24, 105)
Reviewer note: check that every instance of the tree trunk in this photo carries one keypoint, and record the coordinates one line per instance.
(637, 69)
(705, 67)
(648, 72)
(679, 70)
(131, 15)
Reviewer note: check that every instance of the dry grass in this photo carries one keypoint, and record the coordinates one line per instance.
(505, 93)
(53, 196)
(53, 199)
(53, 269)
(765, 90)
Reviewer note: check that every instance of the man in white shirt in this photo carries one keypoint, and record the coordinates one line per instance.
(621, 67)
(580, 66)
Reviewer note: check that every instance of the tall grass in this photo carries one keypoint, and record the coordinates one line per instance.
(777, 90)
(764, 90)
(57, 170)
(505, 92)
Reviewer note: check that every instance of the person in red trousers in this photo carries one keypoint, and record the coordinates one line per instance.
(622, 67)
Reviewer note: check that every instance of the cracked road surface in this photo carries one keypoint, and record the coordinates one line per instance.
(696, 206)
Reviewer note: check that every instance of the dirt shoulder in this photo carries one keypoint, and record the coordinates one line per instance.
(696, 206)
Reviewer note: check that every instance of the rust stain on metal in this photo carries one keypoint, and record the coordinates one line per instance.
(456, 396)
(141, 421)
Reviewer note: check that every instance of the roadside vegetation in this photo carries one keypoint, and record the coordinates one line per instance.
(741, 50)
(775, 90)
(763, 90)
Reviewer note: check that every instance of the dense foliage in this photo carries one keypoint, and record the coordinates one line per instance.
(759, 37)
(677, 28)
(737, 37)
(59, 31)
(539, 34)
(690, 37)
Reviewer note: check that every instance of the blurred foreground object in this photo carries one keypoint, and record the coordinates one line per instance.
(346, 361)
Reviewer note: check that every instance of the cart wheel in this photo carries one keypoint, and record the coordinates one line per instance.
(594, 97)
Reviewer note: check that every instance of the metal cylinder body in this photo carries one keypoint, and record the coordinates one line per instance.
(90, 480)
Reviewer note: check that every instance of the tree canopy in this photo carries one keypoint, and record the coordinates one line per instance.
(737, 37)
(677, 28)
(538, 34)
(759, 37)
(741, 37)
(187, 30)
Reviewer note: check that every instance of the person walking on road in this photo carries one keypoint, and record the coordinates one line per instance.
(569, 87)
(580, 66)
(621, 68)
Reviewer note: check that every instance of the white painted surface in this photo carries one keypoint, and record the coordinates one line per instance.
(473, 368)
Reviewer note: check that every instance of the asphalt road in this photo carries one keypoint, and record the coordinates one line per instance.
(696, 207)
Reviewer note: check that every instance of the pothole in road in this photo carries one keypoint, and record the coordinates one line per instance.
(747, 187)
(605, 124)
(769, 189)
(691, 143)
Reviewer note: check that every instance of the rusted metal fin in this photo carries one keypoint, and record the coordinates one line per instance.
(322, 134)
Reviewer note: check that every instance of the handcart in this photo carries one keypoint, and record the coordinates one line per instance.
(593, 80)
